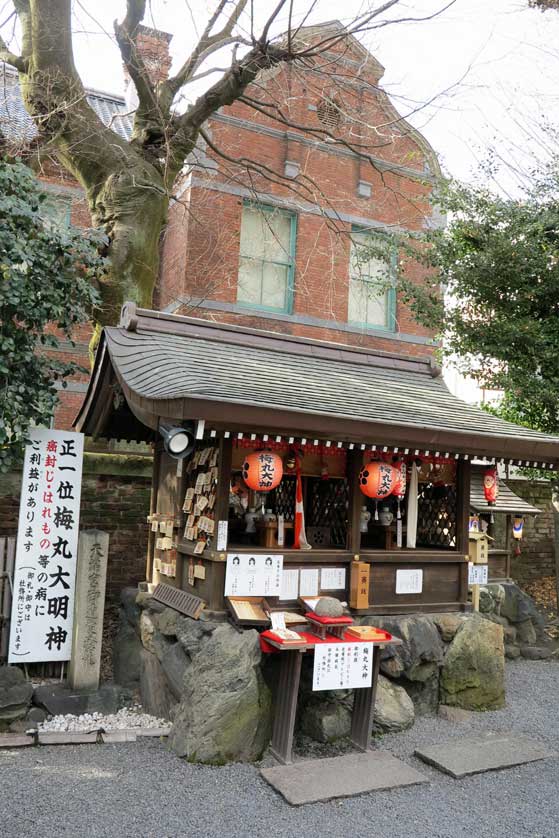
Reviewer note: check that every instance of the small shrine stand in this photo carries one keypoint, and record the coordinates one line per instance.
(288, 688)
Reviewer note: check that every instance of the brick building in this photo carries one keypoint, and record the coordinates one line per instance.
(281, 245)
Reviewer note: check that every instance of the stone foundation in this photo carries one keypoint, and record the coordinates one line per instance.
(212, 681)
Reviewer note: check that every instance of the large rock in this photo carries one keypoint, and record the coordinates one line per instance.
(447, 624)
(415, 664)
(526, 633)
(174, 664)
(326, 721)
(127, 648)
(129, 608)
(225, 711)
(473, 673)
(422, 644)
(394, 708)
(59, 700)
(424, 689)
(518, 607)
(15, 694)
(157, 697)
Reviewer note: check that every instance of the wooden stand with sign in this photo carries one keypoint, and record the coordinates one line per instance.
(478, 550)
(288, 689)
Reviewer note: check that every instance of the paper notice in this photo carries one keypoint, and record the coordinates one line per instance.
(289, 584)
(308, 582)
(332, 578)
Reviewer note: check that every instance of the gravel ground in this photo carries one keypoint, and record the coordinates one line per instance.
(142, 790)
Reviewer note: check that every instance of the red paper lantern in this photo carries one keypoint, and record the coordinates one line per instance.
(491, 485)
(378, 480)
(262, 471)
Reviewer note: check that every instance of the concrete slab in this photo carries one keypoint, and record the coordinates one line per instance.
(311, 781)
(67, 738)
(153, 731)
(126, 734)
(16, 740)
(484, 752)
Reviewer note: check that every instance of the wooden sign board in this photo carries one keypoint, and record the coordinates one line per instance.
(181, 601)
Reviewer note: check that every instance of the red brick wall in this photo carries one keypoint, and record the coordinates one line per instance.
(117, 504)
(200, 254)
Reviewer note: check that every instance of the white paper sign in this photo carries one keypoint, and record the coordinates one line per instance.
(409, 581)
(332, 578)
(278, 620)
(342, 666)
(478, 574)
(222, 535)
(47, 548)
(308, 583)
(289, 584)
(253, 575)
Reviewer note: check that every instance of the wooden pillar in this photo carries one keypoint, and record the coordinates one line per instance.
(223, 482)
(356, 501)
(152, 509)
(463, 473)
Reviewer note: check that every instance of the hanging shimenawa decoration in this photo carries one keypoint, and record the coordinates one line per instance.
(377, 480)
(491, 486)
(262, 471)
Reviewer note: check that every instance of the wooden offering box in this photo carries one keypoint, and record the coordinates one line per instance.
(249, 610)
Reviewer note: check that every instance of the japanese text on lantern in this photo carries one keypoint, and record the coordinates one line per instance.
(47, 546)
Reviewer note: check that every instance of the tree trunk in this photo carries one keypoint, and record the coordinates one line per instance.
(131, 207)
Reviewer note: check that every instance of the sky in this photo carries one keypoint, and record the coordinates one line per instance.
(488, 68)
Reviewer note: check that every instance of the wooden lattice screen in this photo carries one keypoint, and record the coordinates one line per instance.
(327, 503)
(436, 516)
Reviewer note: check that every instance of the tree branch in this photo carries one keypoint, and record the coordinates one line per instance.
(126, 34)
(17, 61)
(207, 44)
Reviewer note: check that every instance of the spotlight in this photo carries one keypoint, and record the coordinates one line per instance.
(178, 441)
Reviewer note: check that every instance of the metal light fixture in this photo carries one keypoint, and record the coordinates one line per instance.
(178, 441)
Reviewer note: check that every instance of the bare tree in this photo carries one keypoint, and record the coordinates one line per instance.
(128, 184)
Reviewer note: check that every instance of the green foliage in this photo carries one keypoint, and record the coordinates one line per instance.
(46, 289)
(498, 261)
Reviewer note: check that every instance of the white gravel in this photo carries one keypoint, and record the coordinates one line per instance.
(128, 717)
(141, 790)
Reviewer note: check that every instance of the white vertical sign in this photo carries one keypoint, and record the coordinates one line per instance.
(342, 666)
(47, 548)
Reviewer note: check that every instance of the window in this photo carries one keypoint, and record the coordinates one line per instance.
(267, 258)
(372, 270)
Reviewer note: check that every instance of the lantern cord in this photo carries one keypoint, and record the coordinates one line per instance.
(399, 531)
(376, 510)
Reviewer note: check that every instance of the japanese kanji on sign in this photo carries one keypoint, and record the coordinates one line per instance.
(47, 547)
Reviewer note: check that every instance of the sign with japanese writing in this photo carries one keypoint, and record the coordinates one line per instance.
(478, 574)
(342, 666)
(47, 546)
(253, 575)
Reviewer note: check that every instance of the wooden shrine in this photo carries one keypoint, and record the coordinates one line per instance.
(327, 414)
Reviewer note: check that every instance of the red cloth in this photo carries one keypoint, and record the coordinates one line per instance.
(312, 640)
(329, 621)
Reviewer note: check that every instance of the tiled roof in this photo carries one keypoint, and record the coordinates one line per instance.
(16, 124)
(507, 500)
(166, 363)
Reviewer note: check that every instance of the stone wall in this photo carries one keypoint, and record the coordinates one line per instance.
(117, 503)
(537, 555)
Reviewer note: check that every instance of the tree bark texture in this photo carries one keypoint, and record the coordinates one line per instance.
(127, 184)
